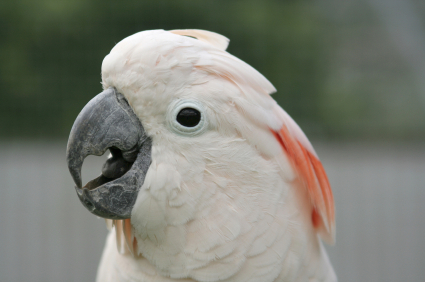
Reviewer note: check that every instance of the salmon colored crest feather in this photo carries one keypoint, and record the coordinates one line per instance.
(313, 175)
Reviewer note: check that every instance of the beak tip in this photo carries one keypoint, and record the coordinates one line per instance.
(76, 176)
(75, 163)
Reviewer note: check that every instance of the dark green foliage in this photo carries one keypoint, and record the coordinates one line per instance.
(317, 56)
(51, 52)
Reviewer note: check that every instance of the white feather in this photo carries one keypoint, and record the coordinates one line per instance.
(221, 205)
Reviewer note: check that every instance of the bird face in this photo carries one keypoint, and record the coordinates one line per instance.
(165, 116)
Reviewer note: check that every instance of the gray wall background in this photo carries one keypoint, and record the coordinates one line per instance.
(47, 235)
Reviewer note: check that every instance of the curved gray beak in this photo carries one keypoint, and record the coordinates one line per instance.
(108, 122)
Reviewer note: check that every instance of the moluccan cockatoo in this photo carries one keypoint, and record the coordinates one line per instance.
(208, 179)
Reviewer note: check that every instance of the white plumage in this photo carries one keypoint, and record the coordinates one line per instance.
(241, 198)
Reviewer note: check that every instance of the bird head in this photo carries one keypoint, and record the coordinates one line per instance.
(193, 161)
(174, 103)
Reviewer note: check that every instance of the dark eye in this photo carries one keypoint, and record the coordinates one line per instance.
(189, 117)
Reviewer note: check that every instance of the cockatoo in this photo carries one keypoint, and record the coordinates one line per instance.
(209, 179)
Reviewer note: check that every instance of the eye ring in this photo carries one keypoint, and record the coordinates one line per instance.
(194, 128)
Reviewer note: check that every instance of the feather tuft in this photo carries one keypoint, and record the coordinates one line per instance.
(215, 39)
(125, 240)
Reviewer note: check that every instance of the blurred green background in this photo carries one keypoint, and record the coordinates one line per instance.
(335, 65)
